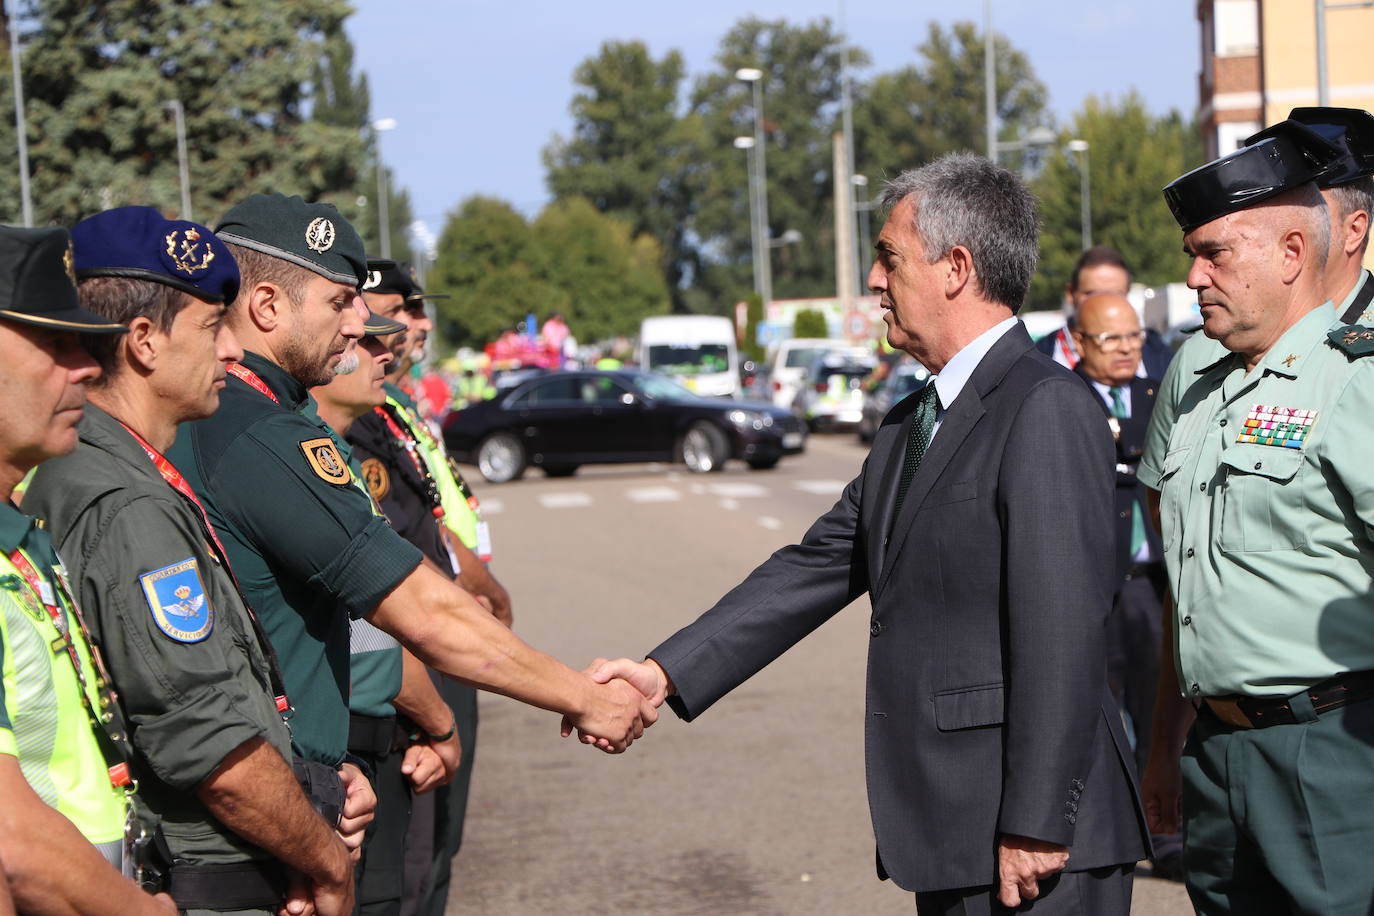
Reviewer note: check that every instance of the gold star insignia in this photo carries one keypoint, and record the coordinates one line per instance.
(1366, 315)
(1290, 359)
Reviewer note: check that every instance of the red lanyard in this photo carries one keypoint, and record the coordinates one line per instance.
(177, 482)
(250, 378)
(119, 772)
(408, 442)
(1062, 339)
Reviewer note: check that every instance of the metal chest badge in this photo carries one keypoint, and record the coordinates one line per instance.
(176, 596)
(1283, 426)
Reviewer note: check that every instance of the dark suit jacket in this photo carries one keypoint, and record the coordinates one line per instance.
(987, 710)
(1130, 445)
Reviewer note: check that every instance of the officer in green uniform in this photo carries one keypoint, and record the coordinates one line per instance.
(421, 491)
(1267, 506)
(1349, 194)
(304, 543)
(385, 678)
(63, 756)
(196, 677)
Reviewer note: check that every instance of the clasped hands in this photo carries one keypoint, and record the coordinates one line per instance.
(626, 697)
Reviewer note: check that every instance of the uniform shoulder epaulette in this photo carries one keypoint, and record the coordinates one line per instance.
(1352, 339)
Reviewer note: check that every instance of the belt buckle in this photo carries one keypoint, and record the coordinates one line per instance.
(1228, 711)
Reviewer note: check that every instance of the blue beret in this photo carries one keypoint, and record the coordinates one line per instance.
(142, 244)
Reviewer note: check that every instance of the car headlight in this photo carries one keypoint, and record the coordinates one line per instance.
(750, 419)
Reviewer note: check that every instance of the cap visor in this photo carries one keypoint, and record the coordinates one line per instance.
(79, 321)
(377, 326)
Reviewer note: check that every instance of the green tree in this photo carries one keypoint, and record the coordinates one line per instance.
(98, 74)
(801, 92)
(630, 151)
(810, 323)
(1131, 155)
(483, 262)
(906, 118)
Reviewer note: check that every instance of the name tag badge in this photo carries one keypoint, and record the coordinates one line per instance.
(46, 593)
(484, 542)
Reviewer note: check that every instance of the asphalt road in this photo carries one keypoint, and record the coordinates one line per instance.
(759, 806)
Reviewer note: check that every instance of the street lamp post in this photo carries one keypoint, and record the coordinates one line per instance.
(20, 125)
(1085, 206)
(756, 241)
(863, 206)
(380, 126)
(765, 274)
(183, 166)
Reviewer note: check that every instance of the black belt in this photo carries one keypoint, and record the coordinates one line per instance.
(371, 735)
(1262, 712)
(233, 886)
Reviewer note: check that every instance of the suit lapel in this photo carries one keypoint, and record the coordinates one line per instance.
(958, 422)
(883, 473)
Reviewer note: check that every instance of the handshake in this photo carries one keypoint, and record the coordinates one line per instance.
(623, 700)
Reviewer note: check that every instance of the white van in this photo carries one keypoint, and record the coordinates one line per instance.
(697, 351)
(794, 357)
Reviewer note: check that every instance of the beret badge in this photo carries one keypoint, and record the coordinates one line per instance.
(187, 253)
(319, 235)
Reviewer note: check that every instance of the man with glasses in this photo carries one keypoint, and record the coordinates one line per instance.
(1110, 341)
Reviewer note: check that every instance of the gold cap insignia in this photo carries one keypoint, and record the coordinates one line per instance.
(326, 461)
(69, 263)
(185, 249)
(319, 235)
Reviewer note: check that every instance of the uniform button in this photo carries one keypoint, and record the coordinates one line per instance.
(1125, 515)
(1188, 552)
(1258, 465)
(1223, 421)
(1187, 620)
(875, 628)
(1196, 690)
(1202, 486)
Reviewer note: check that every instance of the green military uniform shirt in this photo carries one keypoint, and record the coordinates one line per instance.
(192, 676)
(1266, 507)
(304, 543)
(44, 722)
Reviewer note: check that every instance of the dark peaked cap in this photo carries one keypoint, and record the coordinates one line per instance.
(1351, 129)
(1250, 175)
(38, 286)
(313, 236)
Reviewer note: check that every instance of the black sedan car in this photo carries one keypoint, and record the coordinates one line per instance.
(566, 419)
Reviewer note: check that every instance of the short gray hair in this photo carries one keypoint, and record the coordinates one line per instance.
(963, 199)
(1355, 195)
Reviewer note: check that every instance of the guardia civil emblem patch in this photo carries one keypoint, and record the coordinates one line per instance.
(176, 596)
(187, 253)
(325, 460)
(377, 479)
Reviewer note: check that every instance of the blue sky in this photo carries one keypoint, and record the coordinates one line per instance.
(478, 89)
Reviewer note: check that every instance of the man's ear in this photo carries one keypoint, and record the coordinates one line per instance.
(1296, 249)
(1354, 228)
(142, 343)
(960, 271)
(264, 304)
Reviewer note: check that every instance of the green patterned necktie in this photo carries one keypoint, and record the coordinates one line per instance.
(1137, 515)
(922, 423)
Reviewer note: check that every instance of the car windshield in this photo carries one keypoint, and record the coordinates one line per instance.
(663, 389)
(802, 357)
(688, 359)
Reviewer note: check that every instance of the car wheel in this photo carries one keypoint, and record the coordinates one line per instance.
(501, 457)
(704, 448)
(560, 470)
(763, 464)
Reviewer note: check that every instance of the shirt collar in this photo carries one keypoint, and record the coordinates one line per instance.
(1288, 354)
(15, 528)
(960, 368)
(1354, 291)
(283, 384)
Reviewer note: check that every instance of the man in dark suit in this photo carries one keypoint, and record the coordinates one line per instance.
(980, 526)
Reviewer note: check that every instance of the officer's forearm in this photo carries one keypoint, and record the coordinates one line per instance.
(254, 793)
(50, 866)
(419, 700)
(449, 631)
(476, 578)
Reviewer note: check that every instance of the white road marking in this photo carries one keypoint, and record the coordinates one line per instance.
(564, 500)
(738, 490)
(728, 503)
(821, 487)
(653, 495)
(492, 506)
(767, 521)
(696, 489)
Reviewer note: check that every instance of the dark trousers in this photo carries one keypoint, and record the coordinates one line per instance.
(1277, 820)
(1100, 892)
(451, 801)
(380, 871)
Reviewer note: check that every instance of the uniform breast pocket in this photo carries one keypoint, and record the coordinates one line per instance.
(1262, 501)
(1170, 495)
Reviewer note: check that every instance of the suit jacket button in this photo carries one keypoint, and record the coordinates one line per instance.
(875, 628)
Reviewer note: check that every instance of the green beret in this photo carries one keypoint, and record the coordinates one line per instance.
(313, 236)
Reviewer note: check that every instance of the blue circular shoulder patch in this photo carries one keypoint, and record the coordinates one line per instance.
(176, 596)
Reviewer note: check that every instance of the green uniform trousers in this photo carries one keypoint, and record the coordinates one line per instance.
(1277, 820)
